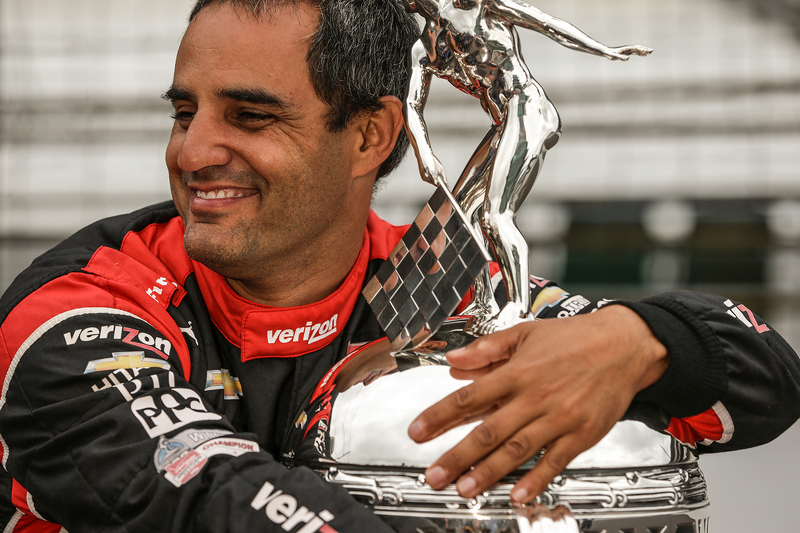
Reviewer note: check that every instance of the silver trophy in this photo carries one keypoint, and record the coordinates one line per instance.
(473, 44)
(353, 429)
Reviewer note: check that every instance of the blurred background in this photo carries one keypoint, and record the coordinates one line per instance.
(680, 170)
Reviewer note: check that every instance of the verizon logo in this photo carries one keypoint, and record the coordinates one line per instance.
(749, 321)
(130, 336)
(282, 509)
(310, 333)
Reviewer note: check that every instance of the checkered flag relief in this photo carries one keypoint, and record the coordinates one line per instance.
(427, 274)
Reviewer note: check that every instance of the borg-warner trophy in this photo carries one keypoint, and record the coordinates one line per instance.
(352, 429)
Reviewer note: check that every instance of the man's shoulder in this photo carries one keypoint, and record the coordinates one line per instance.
(140, 235)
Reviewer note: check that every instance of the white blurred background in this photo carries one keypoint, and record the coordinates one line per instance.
(680, 170)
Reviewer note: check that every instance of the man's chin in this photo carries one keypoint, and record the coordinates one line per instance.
(212, 249)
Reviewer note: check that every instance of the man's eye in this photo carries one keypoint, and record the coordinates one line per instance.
(255, 117)
(182, 117)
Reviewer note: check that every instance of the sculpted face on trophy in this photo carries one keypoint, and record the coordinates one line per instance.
(473, 45)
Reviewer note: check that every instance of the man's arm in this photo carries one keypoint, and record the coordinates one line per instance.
(100, 434)
(519, 13)
(419, 82)
(730, 382)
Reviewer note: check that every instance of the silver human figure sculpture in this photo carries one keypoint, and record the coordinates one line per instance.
(474, 45)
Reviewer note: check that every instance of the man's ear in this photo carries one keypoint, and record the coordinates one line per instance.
(377, 133)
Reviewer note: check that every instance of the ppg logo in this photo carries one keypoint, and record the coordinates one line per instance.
(168, 410)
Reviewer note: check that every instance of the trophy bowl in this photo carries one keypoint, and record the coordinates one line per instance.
(352, 431)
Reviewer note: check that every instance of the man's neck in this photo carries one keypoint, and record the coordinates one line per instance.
(302, 281)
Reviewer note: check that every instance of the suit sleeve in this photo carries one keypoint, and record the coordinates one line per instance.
(101, 431)
(732, 381)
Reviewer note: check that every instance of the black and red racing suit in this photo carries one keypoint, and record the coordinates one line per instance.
(140, 393)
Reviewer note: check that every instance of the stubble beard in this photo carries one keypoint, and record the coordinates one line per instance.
(233, 254)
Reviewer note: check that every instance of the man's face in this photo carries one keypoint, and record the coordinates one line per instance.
(255, 175)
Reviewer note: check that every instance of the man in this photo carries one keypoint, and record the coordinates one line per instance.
(151, 361)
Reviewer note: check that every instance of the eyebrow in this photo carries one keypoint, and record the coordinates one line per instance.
(242, 94)
(253, 96)
(177, 93)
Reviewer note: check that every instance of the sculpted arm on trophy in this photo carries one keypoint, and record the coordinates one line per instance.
(419, 82)
(524, 15)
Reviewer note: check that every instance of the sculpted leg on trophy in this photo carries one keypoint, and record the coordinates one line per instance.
(469, 192)
(531, 127)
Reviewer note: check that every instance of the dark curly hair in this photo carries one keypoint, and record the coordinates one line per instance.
(359, 54)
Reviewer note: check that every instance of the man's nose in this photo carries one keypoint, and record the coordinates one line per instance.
(205, 144)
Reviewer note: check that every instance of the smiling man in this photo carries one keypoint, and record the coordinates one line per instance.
(168, 348)
(151, 362)
(271, 198)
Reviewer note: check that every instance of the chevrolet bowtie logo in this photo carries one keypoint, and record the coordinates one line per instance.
(125, 360)
(221, 379)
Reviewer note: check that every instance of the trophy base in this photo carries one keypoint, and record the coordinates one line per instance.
(668, 499)
(353, 431)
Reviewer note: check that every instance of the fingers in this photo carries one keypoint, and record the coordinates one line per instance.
(507, 442)
(471, 375)
(554, 461)
(453, 410)
(489, 349)
(510, 451)
(471, 362)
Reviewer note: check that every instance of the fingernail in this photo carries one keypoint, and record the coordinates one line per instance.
(416, 430)
(435, 476)
(457, 351)
(466, 486)
(519, 495)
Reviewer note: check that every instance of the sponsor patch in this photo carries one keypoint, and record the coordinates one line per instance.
(319, 440)
(131, 382)
(190, 332)
(601, 303)
(310, 333)
(120, 360)
(185, 455)
(539, 282)
(171, 448)
(185, 468)
(573, 306)
(548, 298)
(282, 509)
(171, 409)
(157, 290)
(222, 380)
(739, 311)
(228, 446)
(130, 336)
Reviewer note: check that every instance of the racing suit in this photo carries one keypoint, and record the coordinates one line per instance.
(140, 393)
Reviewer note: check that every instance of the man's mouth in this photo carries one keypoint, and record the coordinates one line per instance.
(219, 194)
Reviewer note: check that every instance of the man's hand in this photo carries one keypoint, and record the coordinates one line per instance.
(559, 384)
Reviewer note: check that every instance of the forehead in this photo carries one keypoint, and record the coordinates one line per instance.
(226, 46)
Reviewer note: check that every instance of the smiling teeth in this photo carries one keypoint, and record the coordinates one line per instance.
(220, 193)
